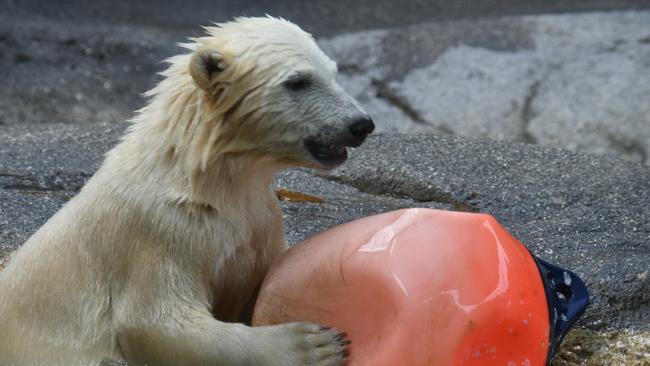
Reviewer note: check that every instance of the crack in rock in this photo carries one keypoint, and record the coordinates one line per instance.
(413, 190)
(384, 92)
(629, 147)
(644, 40)
(527, 113)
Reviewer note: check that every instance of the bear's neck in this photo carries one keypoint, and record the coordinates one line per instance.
(172, 150)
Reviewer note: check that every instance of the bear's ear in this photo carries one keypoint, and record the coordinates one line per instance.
(204, 67)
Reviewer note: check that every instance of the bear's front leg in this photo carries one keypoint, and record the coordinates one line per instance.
(193, 337)
(162, 316)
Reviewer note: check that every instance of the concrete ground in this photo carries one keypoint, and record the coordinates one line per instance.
(542, 120)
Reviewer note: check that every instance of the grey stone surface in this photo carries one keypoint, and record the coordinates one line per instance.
(41, 169)
(372, 62)
(55, 73)
(584, 212)
(473, 92)
(595, 96)
(322, 17)
(342, 203)
(577, 81)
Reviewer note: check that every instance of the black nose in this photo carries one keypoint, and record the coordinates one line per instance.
(361, 128)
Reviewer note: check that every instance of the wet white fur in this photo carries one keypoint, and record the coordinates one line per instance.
(180, 223)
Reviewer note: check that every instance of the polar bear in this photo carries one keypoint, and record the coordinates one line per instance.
(154, 261)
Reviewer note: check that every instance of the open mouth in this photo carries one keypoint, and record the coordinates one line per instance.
(329, 155)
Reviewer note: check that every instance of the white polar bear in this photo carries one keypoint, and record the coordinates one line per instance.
(165, 244)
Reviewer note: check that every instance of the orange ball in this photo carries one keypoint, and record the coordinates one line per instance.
(416, 287)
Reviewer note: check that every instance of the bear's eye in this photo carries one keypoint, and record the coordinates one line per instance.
(297, 82)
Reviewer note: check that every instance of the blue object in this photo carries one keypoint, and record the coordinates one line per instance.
(567, 298)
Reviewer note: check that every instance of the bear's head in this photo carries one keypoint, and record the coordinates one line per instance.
(271, 92)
